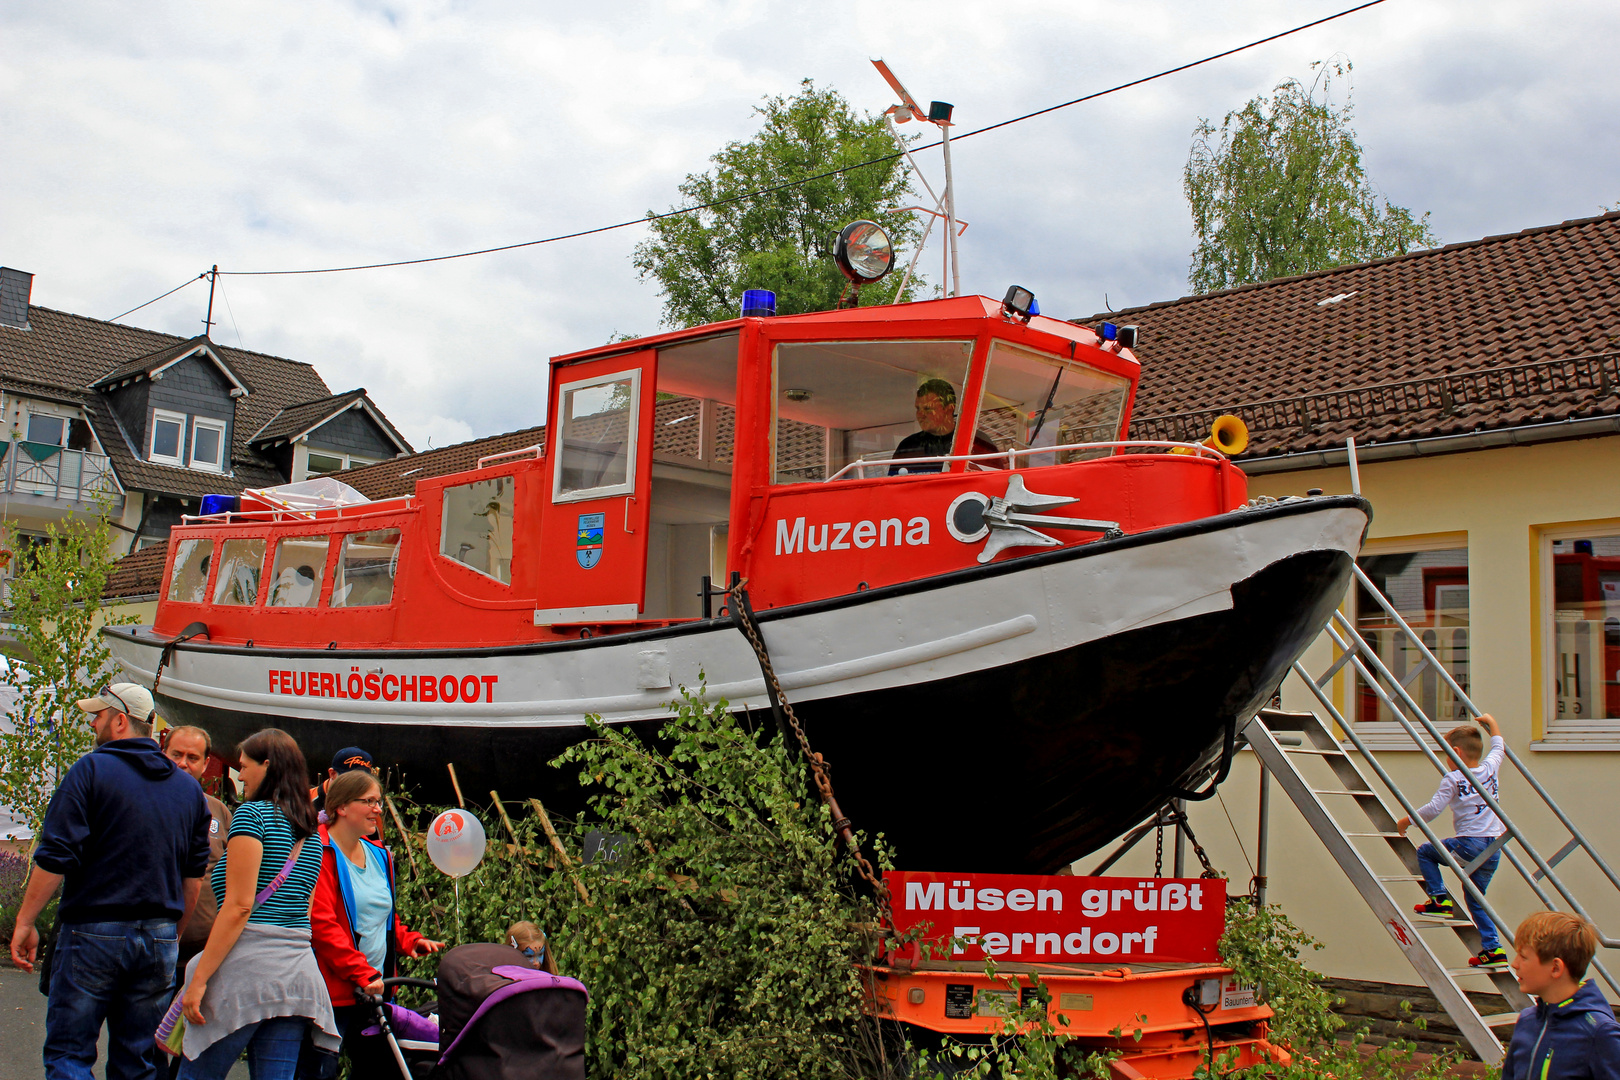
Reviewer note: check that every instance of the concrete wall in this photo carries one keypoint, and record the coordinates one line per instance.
(1498, 500)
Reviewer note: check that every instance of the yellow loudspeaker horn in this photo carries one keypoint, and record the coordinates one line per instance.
(1227, 434)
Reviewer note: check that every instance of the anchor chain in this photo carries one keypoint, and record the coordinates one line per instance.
(1179, 819)
(742, 614)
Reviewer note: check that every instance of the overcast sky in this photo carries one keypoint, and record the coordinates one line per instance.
(139, 144)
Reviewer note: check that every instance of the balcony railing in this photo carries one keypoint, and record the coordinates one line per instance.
(30, 468)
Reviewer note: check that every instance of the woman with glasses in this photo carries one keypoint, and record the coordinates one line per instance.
(357, 934)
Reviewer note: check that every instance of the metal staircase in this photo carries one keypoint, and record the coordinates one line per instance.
(1294, 747)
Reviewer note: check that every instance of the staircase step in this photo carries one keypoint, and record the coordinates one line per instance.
(1500, 1019)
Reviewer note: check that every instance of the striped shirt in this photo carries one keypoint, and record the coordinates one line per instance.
(265, 823)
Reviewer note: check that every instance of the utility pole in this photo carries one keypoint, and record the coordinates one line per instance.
(208, 323)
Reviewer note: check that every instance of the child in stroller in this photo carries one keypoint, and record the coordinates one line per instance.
(497, 1020)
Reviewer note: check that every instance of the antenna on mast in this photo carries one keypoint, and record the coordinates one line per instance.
(208, 322)
(939, 114)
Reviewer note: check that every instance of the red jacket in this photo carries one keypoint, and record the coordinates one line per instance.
(342, 964)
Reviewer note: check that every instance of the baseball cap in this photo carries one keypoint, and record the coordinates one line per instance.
(131, 700)
(350, 758)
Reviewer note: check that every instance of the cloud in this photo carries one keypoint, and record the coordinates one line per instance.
(142, 146)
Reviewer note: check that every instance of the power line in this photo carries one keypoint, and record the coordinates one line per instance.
(809, 179)
(155, 299)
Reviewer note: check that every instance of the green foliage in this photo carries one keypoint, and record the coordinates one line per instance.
(58, 656)
(722, 942)
(1263, 949)
(1284, 192)
(703, 261)
(1030, 1046)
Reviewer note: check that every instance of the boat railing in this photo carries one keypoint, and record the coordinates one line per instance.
(537, 451)
(1010, 456)
(280, 515)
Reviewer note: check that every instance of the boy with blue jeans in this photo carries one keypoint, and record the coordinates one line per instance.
(1476, 828)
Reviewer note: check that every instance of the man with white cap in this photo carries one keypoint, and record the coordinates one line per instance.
(126, 835)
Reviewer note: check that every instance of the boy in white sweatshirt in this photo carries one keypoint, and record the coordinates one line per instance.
(1476, 827)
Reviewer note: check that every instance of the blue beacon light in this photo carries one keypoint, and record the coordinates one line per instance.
(758, 303)
(1110, 332)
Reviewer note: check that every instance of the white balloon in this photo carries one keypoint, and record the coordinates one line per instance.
(455, 842)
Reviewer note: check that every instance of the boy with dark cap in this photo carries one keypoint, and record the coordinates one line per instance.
(126, 835)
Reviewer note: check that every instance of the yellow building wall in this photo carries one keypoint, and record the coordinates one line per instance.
(1498, 499)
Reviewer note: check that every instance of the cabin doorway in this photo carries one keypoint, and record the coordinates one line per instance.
(694, 434)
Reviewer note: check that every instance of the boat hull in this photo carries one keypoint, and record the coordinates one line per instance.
(1025, 712)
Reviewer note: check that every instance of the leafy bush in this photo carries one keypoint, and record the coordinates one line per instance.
(722, 941)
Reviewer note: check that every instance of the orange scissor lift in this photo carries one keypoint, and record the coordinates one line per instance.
(1127, 966)
(1145, 1012)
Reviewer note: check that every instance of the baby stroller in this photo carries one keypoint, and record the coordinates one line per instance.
(498, 1020)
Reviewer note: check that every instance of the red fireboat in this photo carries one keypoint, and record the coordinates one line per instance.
(1013, 595)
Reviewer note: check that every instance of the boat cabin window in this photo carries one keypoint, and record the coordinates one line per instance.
(241, 561)
(596, 446)
(295, 579)
(365, 569)
(1032, 399)
(189, 584)
(477, 526)
(837, 402)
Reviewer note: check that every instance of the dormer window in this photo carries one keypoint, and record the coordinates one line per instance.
(168, 437)
(207, 444)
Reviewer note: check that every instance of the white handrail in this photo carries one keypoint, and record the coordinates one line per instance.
(537, 450)
(1010, 455)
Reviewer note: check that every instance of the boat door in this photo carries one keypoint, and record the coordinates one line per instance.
(594, 535)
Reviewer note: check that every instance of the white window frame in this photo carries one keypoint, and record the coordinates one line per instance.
(1557, 733)
(609, 490)
(197, 423)
(151, 438)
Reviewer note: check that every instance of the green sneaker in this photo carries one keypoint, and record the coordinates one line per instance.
(1436, 907)
(1489, 958)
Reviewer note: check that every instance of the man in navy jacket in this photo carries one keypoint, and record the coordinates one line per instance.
(126, 835)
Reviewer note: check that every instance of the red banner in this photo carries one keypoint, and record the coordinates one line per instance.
(1079, 920)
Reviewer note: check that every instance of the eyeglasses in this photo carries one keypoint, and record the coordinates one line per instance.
(374, 802)
(107, 692)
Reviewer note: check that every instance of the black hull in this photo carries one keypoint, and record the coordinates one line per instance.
(1104, 731)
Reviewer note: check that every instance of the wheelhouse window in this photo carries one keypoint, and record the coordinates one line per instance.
(477, 526)
(295, 579)
(1429, 589)
(365, 569)
(188, 584)
(845, 401)
(207, 444)
(1033, 399)
(596, 437)
(1582, 612)
(168, 437)
(241, 561)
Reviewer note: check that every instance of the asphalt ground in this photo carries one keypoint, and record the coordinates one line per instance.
(22, 1029)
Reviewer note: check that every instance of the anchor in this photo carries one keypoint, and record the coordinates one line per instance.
(1006, 522)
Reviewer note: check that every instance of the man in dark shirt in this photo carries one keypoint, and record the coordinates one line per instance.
(936, 416)
(126, 836)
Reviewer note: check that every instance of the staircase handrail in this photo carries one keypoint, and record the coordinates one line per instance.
(1546, 797)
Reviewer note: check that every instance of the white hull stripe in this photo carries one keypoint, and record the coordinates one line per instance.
(891, 641)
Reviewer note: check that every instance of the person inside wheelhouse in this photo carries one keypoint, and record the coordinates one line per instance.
(936, 417)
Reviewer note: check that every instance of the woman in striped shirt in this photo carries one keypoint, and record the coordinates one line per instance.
(256, 986)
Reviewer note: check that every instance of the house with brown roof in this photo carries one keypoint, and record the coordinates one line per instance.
(1480, 382)
(149, 423)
